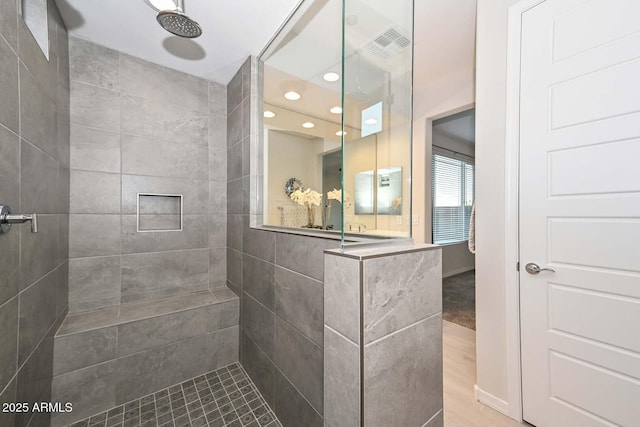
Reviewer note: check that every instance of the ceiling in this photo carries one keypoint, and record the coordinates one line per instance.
(461, 126)
(233, 30)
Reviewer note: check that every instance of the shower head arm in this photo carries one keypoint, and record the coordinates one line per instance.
(180, 5)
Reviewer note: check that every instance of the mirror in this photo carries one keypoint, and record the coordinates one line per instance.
(364, 193)
(336, 119)
(389, 200)
(385, 198)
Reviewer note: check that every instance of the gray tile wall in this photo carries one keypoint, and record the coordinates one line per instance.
(139, 127)
(395, 349)
(279, 278)
(34, 178)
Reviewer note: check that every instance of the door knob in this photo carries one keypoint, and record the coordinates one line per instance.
(535, 268)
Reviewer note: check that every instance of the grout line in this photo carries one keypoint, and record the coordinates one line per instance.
(425, 319)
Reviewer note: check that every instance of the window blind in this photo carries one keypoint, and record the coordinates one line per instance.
(453, 186)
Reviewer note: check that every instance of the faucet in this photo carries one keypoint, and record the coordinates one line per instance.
(7, 218)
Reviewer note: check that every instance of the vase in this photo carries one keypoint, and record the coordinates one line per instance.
(311, 217)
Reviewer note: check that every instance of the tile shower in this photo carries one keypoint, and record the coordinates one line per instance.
(122, 304)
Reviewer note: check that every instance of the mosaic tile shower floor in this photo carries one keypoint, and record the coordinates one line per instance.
(225, 397)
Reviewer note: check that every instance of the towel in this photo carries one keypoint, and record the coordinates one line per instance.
(472, 230)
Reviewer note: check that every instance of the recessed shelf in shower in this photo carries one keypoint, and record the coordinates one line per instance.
(159, 212)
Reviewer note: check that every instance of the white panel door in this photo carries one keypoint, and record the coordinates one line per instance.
(580, 213)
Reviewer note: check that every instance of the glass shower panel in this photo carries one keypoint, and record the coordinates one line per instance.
(377, 105)
(302, 119)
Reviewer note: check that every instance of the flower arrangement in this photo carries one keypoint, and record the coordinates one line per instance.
(337, 195)
(308, 198)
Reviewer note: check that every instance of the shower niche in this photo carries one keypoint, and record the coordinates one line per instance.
(334, 110)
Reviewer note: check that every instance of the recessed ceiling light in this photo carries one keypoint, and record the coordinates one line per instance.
(162, 4)
(308, 125)
(269, 114)
(292, 96)
(371, 121)
(331, 77)
(341, 133)
(336, 110)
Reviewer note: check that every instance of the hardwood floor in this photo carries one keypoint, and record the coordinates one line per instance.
(460, 407)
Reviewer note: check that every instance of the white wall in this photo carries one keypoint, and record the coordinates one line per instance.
(457, 259)
(290, 156)
(491, 53)
(434, 101)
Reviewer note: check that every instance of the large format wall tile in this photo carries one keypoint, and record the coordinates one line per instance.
(159, 270)
(37, 313)
(341, 381)
(234, 197)
(401, 290)
(10, 190)
(157, 83)
(44, 70)
(234, 92)
(138, 374)
(235, 224)
(342, 295)
(39, 177)
(9, 334)
(164, 121)
(10, 267)
(95, 150)
(34, 178)
(218, 99)
(259, 324)
(169, 158)
(194, 235)
(95, 107)
(218, 135)
(301, 361)
(94, 279)
(259, 243)
(158, 331)
(8, 395)
(9, 168)
(404, 370)
(34, 378)
(291, 408)
(217, 267)
(94, 192)
(38, 251)
(38, 115)
(9, 108)
(261, 369)
(303, 254)
(94, 235)
(90, 390)
(195, 193)
(8, 24)
(258, 280)
(94, 64)
(299, 302)
(78, 351)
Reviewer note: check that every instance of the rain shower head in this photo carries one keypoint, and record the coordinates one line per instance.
(176, 22)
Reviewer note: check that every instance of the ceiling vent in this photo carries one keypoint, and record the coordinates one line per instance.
(388, 44)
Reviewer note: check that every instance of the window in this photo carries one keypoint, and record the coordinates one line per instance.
(35, 15)
(453, 195)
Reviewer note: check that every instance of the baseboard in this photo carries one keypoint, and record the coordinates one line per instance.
(491, 401)
(458, 271)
